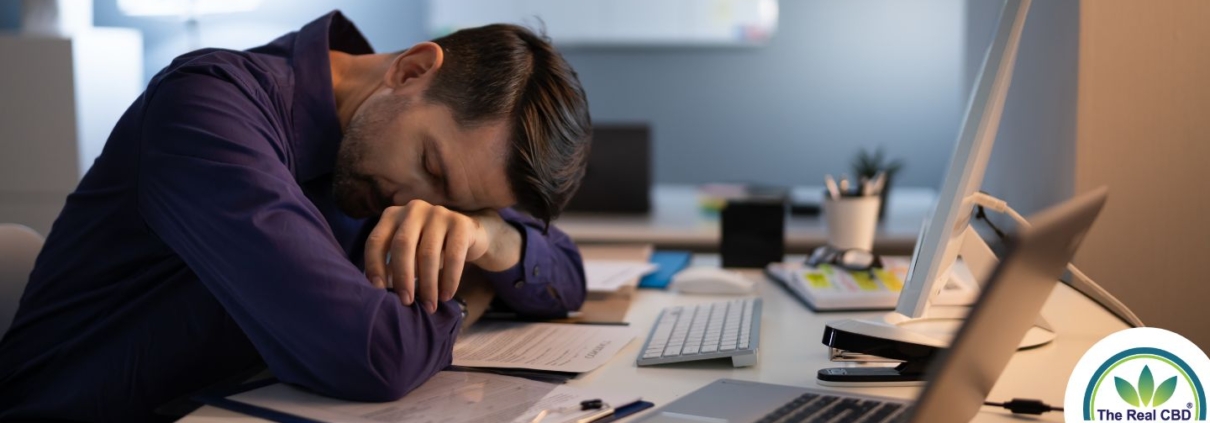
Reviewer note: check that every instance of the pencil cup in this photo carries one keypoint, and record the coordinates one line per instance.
(851, 222)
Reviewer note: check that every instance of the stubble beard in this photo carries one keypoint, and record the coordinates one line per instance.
(351, 187)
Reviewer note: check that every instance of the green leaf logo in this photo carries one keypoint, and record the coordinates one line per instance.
(1147, 393)
(1164, 392)
(1146, 386)
(1126, 391)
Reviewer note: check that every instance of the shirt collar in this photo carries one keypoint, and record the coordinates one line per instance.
(317, 131)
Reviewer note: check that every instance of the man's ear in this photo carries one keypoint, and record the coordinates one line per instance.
(417, 63)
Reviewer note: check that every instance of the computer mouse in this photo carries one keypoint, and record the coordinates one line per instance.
(711, 280)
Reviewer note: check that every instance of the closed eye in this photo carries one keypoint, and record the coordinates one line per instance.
(432, 166)
(428, 166)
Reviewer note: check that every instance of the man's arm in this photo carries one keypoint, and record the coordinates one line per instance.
(549, 279)
(214, 188)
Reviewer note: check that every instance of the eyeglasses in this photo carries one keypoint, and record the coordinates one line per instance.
(850, 259)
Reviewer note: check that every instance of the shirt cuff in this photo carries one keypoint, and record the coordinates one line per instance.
(525, 285)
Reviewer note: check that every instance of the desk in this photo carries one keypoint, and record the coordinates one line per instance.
(676, 223)
(791, 353)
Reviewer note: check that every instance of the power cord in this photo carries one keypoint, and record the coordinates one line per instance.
(1025, 406)
(981, 215)
(1079, 281)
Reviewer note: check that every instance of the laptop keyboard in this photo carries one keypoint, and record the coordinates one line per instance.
(827, 408)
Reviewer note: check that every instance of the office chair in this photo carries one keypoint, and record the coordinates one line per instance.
(19, 246)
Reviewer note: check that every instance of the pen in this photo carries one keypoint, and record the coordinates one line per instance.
(879, 182)
(833, 191)
(844, 185)
(604, 410)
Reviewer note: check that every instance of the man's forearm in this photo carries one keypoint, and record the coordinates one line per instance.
(505, 251)
(478, 295)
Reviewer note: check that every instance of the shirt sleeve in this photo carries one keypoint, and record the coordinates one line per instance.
(214, 187)
(549, 279)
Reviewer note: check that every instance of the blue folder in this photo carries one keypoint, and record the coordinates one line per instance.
(670, 262)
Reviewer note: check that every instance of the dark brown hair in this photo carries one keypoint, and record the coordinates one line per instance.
(508, 72)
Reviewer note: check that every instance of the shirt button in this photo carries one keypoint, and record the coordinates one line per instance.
(535, 270)
(519, 284)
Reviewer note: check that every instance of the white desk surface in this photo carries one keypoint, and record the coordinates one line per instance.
(676, 222)
(791, 353)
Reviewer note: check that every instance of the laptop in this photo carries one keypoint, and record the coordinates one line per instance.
(960, 378)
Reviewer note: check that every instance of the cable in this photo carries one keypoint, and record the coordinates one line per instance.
(979, 214)
(1079, 281)
(1025, 406)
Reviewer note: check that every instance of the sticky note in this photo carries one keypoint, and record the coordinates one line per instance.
(864, 281)
(889, 279)
(817, 280)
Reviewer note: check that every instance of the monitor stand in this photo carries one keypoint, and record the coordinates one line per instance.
(914, 340)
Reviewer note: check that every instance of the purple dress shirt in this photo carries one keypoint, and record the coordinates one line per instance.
(205, 242)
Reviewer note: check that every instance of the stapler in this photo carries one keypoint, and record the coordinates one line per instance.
(867, 341)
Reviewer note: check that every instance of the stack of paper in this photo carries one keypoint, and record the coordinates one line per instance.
(610, 275)
(453, 397)
(556, 347)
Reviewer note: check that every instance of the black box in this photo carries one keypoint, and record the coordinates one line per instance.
(753, 232)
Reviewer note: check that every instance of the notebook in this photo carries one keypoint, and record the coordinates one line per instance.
(830, 288)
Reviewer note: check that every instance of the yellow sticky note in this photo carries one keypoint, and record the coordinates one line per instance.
(864, 281)
(818, 280)
(889, 279)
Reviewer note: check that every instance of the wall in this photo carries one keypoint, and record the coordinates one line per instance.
(838, 75)
(10, 14)
(1142, 130)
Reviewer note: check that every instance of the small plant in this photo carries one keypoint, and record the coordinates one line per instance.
(868, 163)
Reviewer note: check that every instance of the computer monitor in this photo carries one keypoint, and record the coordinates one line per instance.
(944, 233)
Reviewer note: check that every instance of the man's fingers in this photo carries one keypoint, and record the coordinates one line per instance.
(428, 257)
(428, 247)
(457, 241)
(378, 244)
(403, 252)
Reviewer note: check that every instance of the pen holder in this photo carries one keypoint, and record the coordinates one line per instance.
(851, 221)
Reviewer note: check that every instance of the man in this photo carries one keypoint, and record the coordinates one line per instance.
(226, 220)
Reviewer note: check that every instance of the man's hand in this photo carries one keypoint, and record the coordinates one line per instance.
(429, 246)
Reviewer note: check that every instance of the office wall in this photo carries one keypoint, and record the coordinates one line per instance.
(1032, 162)
(1142, 130)
(838, 75)
(10, 14)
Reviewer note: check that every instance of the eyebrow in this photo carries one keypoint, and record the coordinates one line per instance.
(445, 174)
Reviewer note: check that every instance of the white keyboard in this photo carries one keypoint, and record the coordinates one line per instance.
(725, 329)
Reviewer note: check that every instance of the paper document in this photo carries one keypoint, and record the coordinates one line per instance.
(453, 397)
(540, 346)
(609, 275)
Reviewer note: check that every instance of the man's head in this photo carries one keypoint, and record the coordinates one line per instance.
(489, 117)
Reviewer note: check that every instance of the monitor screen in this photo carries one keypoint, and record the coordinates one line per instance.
(940, 238)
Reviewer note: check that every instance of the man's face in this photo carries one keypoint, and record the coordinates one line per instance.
(399, 148)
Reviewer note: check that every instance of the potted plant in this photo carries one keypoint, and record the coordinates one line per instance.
(867, 164)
